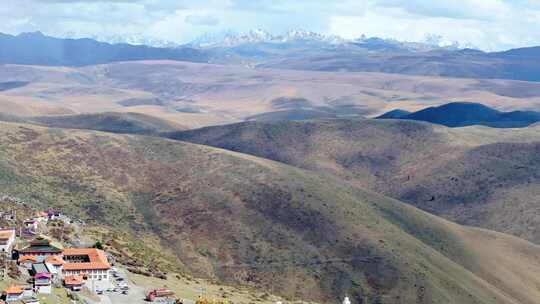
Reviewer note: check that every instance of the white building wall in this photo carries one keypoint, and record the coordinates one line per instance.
(44, 289)
(96, 279)
(9, 244)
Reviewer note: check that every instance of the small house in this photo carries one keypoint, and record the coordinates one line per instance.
(13, 294)
(55, 265)
(74, 282)
(7, 239)
(31, 224)
(8, 216)
(54, 214)
(42, 283)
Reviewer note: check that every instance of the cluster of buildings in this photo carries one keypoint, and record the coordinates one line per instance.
(49, 265)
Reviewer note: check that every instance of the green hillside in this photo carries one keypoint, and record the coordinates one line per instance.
(476, 175)
(249, 221)
(128, 123)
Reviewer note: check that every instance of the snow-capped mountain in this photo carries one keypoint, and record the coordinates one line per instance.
(230, 38)
(136, 39)
(133, 39)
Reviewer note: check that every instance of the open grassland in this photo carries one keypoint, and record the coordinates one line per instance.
(246, 221)
(197, 95)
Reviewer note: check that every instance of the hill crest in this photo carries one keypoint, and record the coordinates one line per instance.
(461, 114)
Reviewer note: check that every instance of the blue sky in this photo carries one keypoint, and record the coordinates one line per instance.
(488, 24)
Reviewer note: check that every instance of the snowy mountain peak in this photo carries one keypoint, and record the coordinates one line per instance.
(231, 39)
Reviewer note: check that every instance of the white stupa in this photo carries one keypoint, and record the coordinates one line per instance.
(346, 300)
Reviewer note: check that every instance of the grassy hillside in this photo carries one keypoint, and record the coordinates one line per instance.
(129, 123)
(248, 221)
(478, 176)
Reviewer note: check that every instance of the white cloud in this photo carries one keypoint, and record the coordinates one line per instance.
(208, 20)
(490, 24)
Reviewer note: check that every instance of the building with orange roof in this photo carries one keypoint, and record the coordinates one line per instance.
(90, 263)
(7, 239)
(25, 258)
(74, 283)
(40, 248)
(13, 293)
(55, 264)
(27, 261)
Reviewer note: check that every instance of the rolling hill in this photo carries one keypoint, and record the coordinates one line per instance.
(250, 221)
(128, 123)
(475, 175)
(197, 95)
(394, 114)
(461, 114)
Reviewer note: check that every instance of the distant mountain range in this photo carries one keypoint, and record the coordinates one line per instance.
(38, 49)
(296, 50)
(233, 39)
(461, 114)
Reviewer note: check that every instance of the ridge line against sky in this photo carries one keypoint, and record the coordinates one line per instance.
(488, 24)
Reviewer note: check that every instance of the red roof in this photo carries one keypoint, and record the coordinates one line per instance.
(55, 260)
(26, 258)
(73, 280)
(96, 257)
(13, 290)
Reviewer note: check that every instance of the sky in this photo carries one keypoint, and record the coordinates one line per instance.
(486, 24)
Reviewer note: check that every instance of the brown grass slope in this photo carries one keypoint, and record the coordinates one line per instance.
(250, 221)
(128, 123)
(475, 175)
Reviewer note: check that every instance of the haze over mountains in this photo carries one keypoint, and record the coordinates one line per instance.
(300, 51)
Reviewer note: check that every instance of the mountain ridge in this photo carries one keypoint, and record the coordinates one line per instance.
(461, 114)
(38, 49)
(304, 51)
